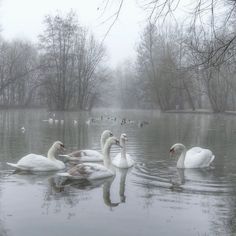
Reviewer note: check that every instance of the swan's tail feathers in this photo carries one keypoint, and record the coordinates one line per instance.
(12, 165)
(65, 174)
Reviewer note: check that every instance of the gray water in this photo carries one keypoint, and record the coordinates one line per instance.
(151, 198)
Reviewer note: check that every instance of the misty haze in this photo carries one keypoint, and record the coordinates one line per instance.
(117, 117)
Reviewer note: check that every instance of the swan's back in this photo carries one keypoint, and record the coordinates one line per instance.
(34, 162)
(197, 157)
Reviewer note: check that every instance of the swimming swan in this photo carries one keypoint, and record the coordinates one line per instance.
(195, 157)
(34, 162)
(93, 171)
(123, 159)
(89, 155)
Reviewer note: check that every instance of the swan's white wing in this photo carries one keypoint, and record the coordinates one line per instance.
(197, 157)
(123, 162)
(84, 156)
(92, 153)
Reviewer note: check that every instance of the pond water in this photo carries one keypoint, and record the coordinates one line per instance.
(151, 198)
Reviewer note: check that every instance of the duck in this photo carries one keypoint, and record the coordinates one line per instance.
(22, 129)
(35, 162)
(195, 157)
(94, 171)
(88, 155)
(123, 159)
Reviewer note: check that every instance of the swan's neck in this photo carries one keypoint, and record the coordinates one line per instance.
(123, 150)
(103, 141)
(52, 153)
(180, 163)
(106, 155)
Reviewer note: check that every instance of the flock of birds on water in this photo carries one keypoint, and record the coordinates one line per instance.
(92, 165)
(95, 120)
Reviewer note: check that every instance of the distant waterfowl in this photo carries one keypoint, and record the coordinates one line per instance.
(75, 122)
(195, 157)
(123, 159)
(50, 121)
(88, 122)
(93, 171)
(89, 155)
(142, 123)
(34, 162)
(22, 129)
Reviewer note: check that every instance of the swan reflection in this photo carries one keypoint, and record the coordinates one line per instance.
(67, 186)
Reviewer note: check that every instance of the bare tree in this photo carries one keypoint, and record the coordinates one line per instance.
(72, 56)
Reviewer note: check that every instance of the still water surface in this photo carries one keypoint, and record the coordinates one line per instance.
(152, 198)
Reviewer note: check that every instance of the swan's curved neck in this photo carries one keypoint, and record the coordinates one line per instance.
(123, 150)
(180, 163)
(106, 155)
(103, 141)
(52, 153)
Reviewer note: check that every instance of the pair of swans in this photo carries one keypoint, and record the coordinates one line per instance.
(121, 160)
(87, 155)
(94, 171)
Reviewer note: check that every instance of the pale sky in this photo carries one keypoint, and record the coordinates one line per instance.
(23, 19)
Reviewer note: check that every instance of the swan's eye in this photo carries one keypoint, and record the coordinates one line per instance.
(62, 145)
(111, 134)
(172, 150)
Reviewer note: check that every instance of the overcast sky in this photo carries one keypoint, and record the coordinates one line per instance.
(23, 19)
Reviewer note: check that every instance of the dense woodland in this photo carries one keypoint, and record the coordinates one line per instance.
(184, 65)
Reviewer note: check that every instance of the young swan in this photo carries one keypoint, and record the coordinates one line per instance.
(34, 162)
(195, 157)
(89, 155)
(123, 159)
(93, 171)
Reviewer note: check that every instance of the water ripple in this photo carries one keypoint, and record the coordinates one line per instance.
(193, 181)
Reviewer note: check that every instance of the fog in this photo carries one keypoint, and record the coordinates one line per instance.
(78, 56)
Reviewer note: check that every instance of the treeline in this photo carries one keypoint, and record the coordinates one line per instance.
(184, 66)
(177, 69)
(62, 71)
(188, 66)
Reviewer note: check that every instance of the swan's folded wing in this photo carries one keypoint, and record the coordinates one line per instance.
(198, 158)
(35, 162)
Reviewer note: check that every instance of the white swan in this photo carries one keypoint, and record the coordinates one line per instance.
(195, 157)
(34, 162)
(93, 171)
(123, 159)
(89, 155)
